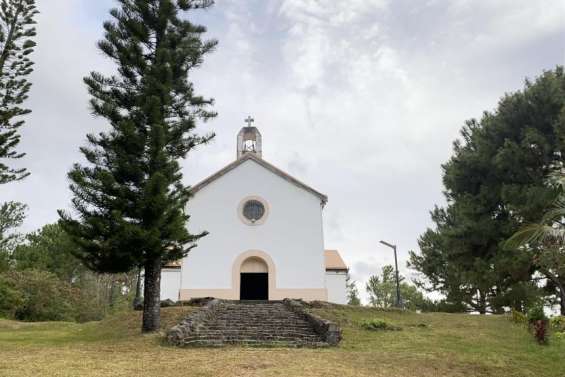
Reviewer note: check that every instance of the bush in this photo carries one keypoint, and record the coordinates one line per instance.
(539, 323)
(39, 296)
(536, 314)
(378, 325)
(10, 299)
(518, 317)
(558, 324)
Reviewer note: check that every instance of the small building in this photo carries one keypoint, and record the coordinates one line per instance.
(265, 241)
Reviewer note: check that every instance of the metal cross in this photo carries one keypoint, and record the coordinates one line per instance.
(249, 120)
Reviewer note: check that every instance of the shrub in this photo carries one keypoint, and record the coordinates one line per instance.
(558, 324)
(539, 323)
(41, 296)
(10, 299)
(376, 324)
(536, 313)
(518, 317)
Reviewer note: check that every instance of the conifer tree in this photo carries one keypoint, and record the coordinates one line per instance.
(495, 183)
(130, 198)
(16, 44)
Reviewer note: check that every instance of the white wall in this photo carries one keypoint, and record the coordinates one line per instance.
(337, 291)
(291, 235)
(170, 283)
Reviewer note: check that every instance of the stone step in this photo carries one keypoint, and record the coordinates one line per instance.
(249, 323)
(225, 337)
(212, 333)
(254, 343)
(267, 321)
(236, 326)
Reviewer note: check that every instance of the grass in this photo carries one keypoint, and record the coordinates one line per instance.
(428, 345)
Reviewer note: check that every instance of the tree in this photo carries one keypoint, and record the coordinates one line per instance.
(382, 289)
(130, 198)
(382, 292)
(37, 296)
(545, 242)
(352, 291)
(16, 44)
(495, 183)
(49, 249)
(12, 215)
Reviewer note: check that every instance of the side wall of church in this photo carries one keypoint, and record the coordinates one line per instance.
(336, 285)
(291, 236)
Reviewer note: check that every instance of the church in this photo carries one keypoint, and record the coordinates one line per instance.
(266, 238)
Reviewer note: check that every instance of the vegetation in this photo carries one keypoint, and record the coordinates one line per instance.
(376, 324)
(16, 44)
(352, 291)
(382, 292)
(12, 215)
(130, 197)
(42, 280)
(545, 241)
(495, 183)
(448, 345)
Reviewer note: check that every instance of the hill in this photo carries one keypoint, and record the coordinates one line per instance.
(434, 344)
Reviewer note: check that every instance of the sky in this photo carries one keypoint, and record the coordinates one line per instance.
(361, 99)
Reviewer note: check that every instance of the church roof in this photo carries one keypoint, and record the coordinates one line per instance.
(266, 165)
(334, 261)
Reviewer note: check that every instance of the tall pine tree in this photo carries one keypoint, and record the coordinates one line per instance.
(130, 198)
(495, 183)
(16, 44)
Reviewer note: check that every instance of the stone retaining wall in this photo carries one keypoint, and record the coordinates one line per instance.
(329, 331)
(192, 324)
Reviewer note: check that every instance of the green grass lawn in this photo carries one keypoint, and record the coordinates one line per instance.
(428, 345)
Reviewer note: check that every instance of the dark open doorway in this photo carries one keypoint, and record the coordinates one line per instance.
(254, 286)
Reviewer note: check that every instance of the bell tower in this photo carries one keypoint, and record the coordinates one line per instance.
(249, 140)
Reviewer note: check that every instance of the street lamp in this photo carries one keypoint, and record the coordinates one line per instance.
(393, 247)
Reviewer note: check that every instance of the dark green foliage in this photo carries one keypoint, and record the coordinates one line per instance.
(130, 198)
(49, 249)
(16, 44)
(39, 296)
(376, 324)
(536, 313)
(544, 241)
(49, 253)
(494, 183)
(10, 298)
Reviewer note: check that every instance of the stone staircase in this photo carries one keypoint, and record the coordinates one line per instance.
(260, 323)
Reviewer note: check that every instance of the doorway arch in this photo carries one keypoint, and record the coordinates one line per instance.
(254, 276)
(254, 280)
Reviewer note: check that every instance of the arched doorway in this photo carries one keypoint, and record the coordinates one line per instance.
(254, 279)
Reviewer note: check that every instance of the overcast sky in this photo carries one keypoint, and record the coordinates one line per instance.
(360, 99)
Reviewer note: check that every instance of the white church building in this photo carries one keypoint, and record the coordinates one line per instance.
(266, 238)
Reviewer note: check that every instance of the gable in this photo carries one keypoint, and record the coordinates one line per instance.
(273, 169)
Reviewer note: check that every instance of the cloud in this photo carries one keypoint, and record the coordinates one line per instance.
(360, 99)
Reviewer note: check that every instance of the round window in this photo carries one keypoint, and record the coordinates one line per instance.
(253, 210)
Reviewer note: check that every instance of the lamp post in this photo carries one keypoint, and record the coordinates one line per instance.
(393, 247)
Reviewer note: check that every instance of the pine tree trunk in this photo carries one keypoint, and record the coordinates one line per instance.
(151, 295)
(137, 300)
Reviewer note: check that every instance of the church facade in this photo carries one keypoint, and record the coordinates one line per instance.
(265, 241)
